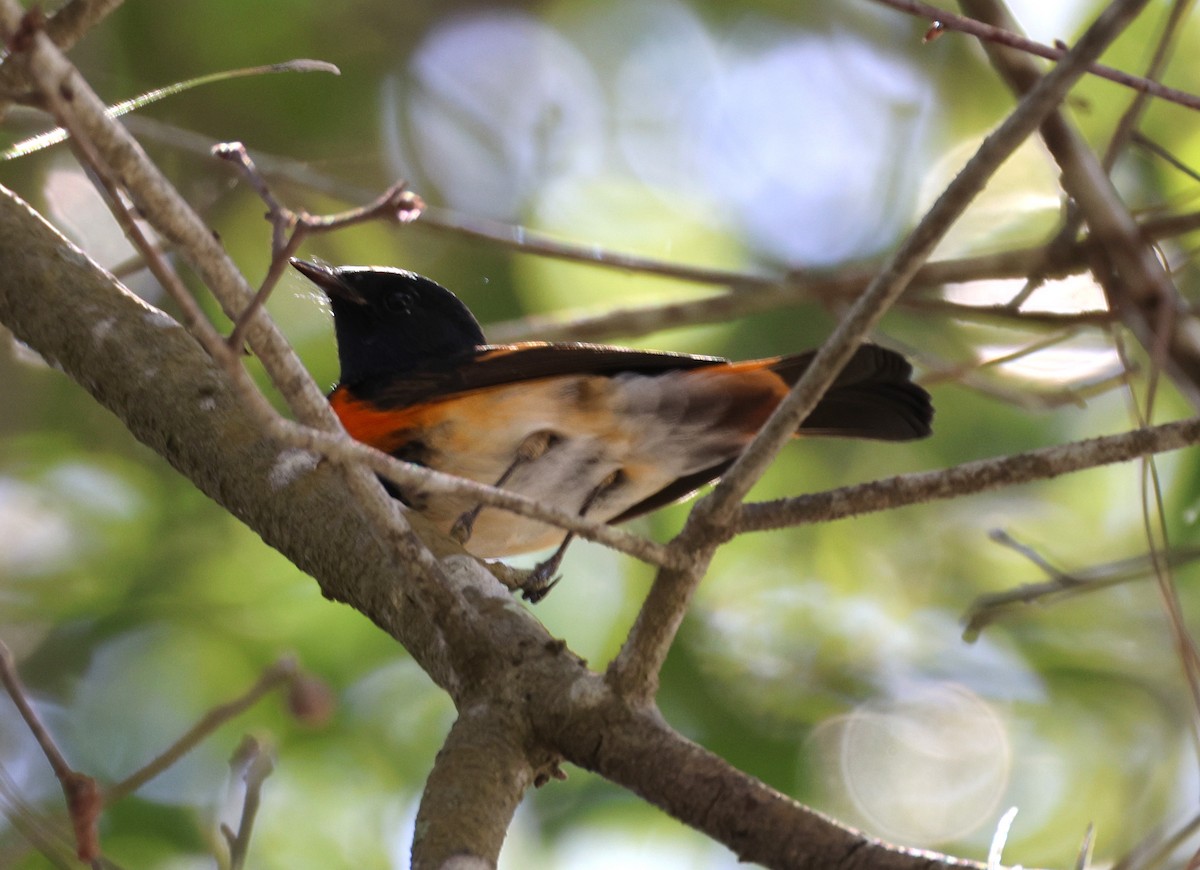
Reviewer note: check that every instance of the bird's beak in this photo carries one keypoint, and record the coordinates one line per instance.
(327, 278)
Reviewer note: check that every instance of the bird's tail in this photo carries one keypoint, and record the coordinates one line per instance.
(873, 397)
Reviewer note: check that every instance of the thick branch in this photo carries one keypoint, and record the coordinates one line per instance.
(145, 368)
(477, 782)
(760, 825)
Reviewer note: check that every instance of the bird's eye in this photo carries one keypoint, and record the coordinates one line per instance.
(397, 303)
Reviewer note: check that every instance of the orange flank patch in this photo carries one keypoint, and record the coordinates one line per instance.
(382, 428)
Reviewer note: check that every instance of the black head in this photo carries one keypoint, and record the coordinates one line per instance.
(389, 321)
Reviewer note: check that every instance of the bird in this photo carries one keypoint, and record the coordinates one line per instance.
(606, 432)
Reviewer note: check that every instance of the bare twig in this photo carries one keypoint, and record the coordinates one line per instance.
(751, 292)
(64, 28)
(80, 790)
(966, 479)
(635, 669)
(37, 828)
(289, 228)
(1000, 36)
(1060, 585)
(1154, 522)
(1158, 847)
(1163, 154)
(253, 761)
(1134, 280)
(1127, 125)
(60, 134)
(278, 674)
(344, 449)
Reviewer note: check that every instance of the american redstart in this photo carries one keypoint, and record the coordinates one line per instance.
(608, 432)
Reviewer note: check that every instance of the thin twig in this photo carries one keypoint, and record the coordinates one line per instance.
(289, 228)
(1143, 141)
(80, 790)
(278, 674)
(634, 671)
(1128, 123)
(966, 479)
(1060, 585)
(38, 829)
(1157, 848)
(950, 21)
(343, 449)
(753, 293)
(254, 761)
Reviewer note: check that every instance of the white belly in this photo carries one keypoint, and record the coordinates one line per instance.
(652, 429)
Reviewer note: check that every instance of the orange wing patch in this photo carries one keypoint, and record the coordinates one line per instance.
(751, 391)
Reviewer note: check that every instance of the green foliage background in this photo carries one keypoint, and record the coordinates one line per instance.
(136, 603)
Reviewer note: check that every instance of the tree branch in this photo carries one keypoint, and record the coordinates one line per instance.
(636, 667)
(65, 28)
(966, 479)
(641, 752)
(146, 369)
(173, 397)
(1008, 37)
(477, 782)
(1136, 283)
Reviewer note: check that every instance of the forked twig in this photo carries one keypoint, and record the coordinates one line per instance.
(1060, 585)
(946, 20)
(253, 761)
(84, 797)
(282, 672)
(289, 228)
(82, 793)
